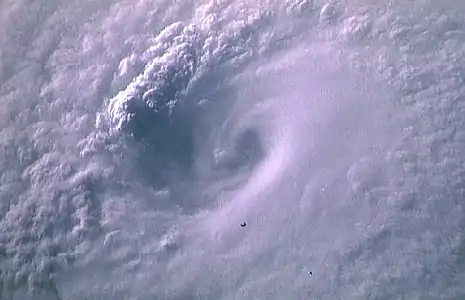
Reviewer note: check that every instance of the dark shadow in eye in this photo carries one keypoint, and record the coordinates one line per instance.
(248, 150)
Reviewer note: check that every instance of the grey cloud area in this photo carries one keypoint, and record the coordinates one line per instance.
(136, 137)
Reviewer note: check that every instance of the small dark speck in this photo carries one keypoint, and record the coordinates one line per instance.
(244, 224)
(311, 273)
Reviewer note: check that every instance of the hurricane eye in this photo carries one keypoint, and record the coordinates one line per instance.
(248, 148)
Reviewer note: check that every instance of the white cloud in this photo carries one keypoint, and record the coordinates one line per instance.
(358, 110)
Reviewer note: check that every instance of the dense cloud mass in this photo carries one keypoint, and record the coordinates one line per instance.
(137, 136)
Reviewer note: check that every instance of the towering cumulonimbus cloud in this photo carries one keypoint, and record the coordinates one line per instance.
(174, 59)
